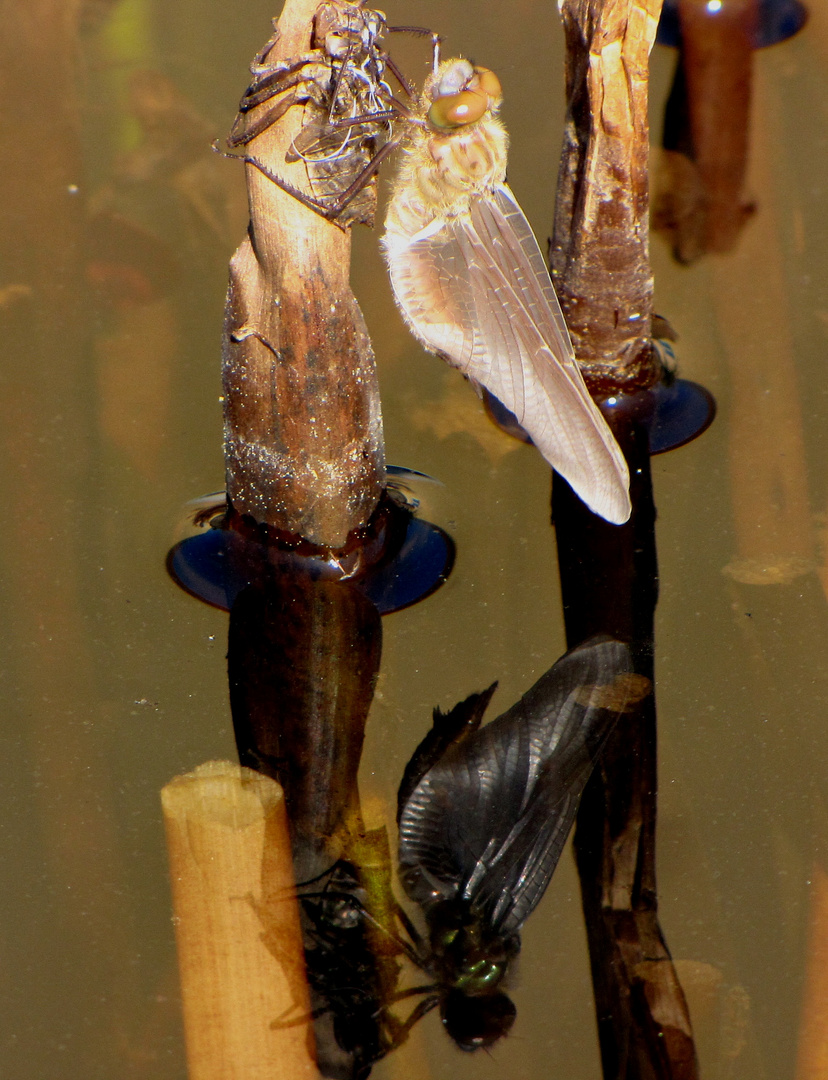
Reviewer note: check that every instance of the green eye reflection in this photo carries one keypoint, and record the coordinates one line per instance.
(479, 976)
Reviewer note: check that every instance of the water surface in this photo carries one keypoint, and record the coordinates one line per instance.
(113, 681)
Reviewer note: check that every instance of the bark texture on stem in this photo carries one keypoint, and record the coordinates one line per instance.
(600, 248)
(303, 432)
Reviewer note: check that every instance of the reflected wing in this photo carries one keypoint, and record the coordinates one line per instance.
(475, 289)
(488, 822)
(446, 731)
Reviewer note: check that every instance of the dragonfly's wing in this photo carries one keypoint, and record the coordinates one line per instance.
(447, 730)
(431, 285)
(475, 290)
(487, 822)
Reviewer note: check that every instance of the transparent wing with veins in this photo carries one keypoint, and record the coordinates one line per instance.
(475, 290)
(487, 822)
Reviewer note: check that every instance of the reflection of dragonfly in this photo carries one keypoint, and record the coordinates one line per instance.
(350, 985)
(349, 107)
(474, 288)
(484, 815)
(354, 934)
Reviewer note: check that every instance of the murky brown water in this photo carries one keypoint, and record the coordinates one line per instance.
(113, 681)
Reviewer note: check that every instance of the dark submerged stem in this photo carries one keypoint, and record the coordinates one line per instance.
(609, 583)
(303, 658)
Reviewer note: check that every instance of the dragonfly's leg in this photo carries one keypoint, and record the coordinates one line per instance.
(330, 210)
(350, 193)
(412, 991)
(330, 894)
(312, 881)
(373, 117)
(421, 31)
(345, 125)
(416, 1014)
(280, 1024)
(258, 64)
(326, 210)
(340, 74)
(243, 132)
(408, 87)
(280, 78)
(259, 68)
(410, 928)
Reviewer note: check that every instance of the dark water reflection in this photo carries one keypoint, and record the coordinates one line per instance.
(111, 304)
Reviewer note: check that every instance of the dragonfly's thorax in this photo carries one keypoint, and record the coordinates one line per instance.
(468, 160)
(469, 954)
(443, 171)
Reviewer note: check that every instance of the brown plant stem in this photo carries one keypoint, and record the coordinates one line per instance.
(701, 204)
(303, 432)
(609, 576)
(600, 247)
(303, 658)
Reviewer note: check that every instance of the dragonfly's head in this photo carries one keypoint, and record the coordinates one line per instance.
(461, 94)
(476, 1022)
(470, 960)
(347, 31)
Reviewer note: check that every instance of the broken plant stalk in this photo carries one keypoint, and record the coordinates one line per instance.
(600, 249)
(303, 431)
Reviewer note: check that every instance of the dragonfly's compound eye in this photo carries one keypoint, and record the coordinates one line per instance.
(488, 82)
(457, 110)
(477, 1022)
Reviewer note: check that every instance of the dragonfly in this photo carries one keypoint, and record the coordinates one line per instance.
(471, 282)
(483, 815)
(466, 270)
(349, 109)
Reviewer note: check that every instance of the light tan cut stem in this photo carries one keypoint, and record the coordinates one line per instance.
(773, 527)
(701, 204)
(237, 926)
(303, 432)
